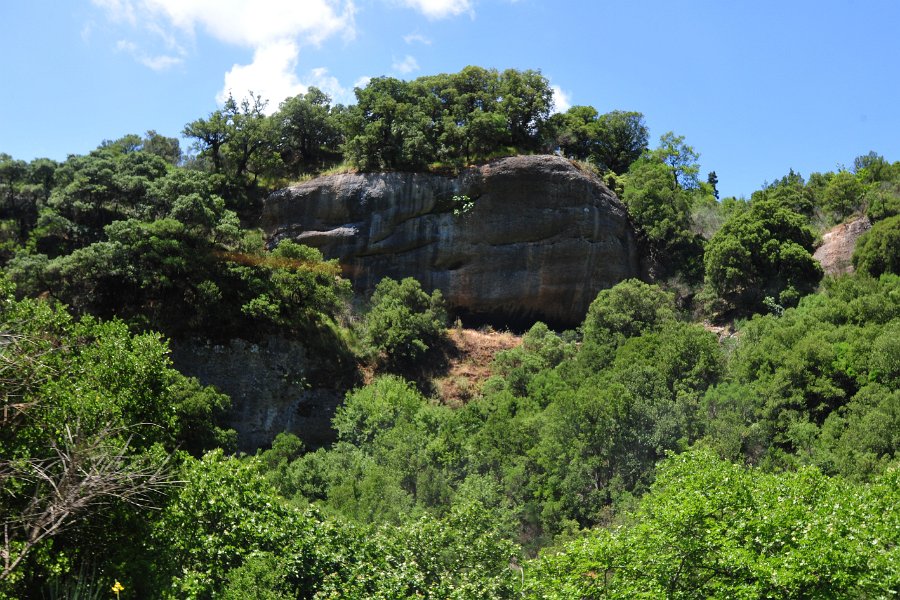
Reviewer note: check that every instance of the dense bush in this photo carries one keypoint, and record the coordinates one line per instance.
(878, 251)
(764, 252)
(710, 528)
(404, 322)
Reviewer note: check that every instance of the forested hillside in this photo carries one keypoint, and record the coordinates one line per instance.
(728, 428)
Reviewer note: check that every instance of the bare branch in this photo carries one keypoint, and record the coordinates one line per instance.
(83, 473)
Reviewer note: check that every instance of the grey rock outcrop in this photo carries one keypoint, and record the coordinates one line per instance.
(836, 252)
(540, 240)
(272, 385)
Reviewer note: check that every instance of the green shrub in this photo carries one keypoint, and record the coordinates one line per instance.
(404, 322)
(878, 251)
(765, 251)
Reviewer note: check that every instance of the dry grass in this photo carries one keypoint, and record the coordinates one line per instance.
(470, 353)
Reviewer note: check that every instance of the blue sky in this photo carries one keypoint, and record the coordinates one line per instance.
(756, 87)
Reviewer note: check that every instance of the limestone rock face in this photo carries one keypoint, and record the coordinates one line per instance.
(836, 252)
(540, 240)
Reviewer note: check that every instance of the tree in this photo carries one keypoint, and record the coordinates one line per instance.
(659, 206)
(765, 251)
(621, 139)
(404, 321)
(387, 402)
(662, 208)
(710, 528)
(84, 472)
(211, 134)
(791, 192)
(250, 147)
(167, 148)
(526, 98)
(89, 412)
(872, 167)
(681, 159)
(575, 131)
(307, 130)
(844, 194)
(878, 251)
(628, 309)
(388, 128)
(713, 180)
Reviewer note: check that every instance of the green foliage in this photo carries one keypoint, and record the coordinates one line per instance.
(654, 200)
(680, 158)
(222, 514)
(240, 142)
(883, 200)
(541, 349)
(764, 251)
(622, 138)
(404, 322)
(626, 310)
(878, 251)
(133, 238)
(843, 195)
(790, 192)
(308, 131)
(802, 384)
(448, 118)
(90, 412)
(462, 205)
(660, 191)
(226, 534)
(712, 529)
(385, 403)
(559, 448)
(612, 141)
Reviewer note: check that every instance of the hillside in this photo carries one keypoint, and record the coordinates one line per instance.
(219, 385)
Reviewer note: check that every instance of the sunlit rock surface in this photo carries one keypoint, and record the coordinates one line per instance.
(540, 239)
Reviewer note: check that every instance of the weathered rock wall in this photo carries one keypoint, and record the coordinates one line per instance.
(272, 385)
(542, 239)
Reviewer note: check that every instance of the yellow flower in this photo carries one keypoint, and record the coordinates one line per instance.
(117, 587)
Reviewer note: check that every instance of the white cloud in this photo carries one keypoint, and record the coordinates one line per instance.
(248, 23)
(561, 99)
(362, 81)
(118, 10)
(416, 38)
(126, 46)
(271, 75)
(439, 9)
(329, 84)
(274, 29)
(405, 66)
(87, 31)
(160, 62)
(255, 23)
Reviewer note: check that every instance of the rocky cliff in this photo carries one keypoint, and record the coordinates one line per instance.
(516, 240)
(274, 384)
(836, 252)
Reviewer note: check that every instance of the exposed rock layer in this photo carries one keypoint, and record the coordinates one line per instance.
(836, 252)
(539, 241)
